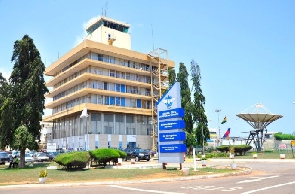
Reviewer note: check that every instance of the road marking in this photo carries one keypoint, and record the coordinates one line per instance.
(257, 179)
(265, 188)
(143, 190)
(212, 188)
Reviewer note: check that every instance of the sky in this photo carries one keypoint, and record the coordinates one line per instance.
(245, 49)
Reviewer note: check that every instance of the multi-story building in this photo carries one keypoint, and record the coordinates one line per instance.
(118, 87)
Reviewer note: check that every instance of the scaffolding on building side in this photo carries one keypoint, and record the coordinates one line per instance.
(159, 83)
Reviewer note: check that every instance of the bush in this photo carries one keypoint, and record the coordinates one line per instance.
(280, 136)
(213, 155)
(240, 149)
(73, 159)
(105, 155)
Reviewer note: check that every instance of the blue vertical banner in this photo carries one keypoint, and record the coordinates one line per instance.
(171, 136)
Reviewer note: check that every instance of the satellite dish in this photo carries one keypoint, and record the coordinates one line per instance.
(84, 113)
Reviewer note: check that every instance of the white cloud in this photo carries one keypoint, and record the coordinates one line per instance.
(5, 73)
(80, 38)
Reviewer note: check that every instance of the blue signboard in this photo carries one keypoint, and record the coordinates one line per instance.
(177, 136)
(170, 126)
(166, 125)
(172, 148)
(172, 113)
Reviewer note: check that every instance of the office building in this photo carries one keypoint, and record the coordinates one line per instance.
(116, 87)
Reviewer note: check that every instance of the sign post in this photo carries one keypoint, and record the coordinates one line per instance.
(292, 145)
(51, 147)
(170, 127)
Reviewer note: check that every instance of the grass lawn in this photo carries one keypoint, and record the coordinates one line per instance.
(267, 155)
(30, 175)
(264, 155)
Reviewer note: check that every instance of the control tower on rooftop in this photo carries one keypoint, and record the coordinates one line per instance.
(109, 31)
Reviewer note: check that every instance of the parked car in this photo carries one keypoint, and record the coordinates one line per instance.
(28, 158)
(4, 157)
(41, 157)
(129, 152)
(50, 155)
(138, 154)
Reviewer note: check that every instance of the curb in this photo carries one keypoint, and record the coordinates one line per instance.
(244, 171)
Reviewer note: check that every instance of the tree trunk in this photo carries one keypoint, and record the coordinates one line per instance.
(22, 162)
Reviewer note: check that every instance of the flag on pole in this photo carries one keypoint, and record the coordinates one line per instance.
(226, 134)
(224, 120)
(84, 113)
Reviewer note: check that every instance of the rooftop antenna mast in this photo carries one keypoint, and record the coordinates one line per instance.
(153, 36)
(105, 10)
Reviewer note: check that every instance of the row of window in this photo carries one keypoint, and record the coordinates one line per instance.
(99, 123)
(104, 86)
(106, 59)
(110, 73)
(104, 100)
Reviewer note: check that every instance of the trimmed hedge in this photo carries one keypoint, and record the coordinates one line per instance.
(105, 155)
(73, 159)
(213, 155)
(241, 149)
(280, 136)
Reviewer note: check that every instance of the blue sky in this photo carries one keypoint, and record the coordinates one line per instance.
(245, 49)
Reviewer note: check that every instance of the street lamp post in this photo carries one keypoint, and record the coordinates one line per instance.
(218, 110)
(203, 151)
(85, 115)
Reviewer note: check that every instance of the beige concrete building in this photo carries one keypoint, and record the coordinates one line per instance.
(118, 87)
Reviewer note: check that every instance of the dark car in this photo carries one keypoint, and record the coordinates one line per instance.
(50, 155)
(138, 154)
(4, 157)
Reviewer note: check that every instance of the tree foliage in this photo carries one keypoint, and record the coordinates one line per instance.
(171, 76)
(280, 136)
(198, 110)
(24, 99)
(182, 77)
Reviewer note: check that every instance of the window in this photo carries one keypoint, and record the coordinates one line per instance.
(105, 87)
(99, 99)
(112, 100)
(138, 103)
(112, 86)
(94, 56)
(118, 74)
(122, 101)
(118, 100)
(128, 76)
(100, 57)
(108, 123)
(123, 88)
(112, 60)
(120, 124)
(117, 87)
(112, 73)
(107, 100)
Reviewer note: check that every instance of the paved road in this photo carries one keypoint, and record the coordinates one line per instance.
(274, 176)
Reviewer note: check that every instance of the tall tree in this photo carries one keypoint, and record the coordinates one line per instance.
(171, 76)
(6, 113)
(28, 90)
(182, 77)
(198, 111)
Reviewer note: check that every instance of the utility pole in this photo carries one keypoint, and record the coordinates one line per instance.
(217, 111)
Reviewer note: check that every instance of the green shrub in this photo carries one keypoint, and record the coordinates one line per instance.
(280, 136)
(213, 155)
(105, 155)
(240, 149)
(73, 159)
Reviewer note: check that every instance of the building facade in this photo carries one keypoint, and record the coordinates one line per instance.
(118, 87)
